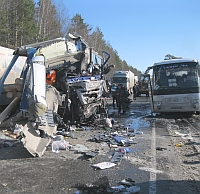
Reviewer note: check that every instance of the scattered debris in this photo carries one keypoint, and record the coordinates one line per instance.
(91, 154)
(60, 145)
(179, 144)
(117, 157)
(127, 181)
(5, 144)
(161, 148)
(80, 148)
(138, 132)
(103, 165)
(102, 186)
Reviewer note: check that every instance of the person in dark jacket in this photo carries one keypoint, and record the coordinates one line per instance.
(114, 95)
(121, 98)
(135, 91)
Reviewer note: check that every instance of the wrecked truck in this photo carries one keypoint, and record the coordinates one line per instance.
(62, 83)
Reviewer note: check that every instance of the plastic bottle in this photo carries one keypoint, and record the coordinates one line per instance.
(55, 147)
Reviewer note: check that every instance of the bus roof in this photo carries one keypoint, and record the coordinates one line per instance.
(176, 61)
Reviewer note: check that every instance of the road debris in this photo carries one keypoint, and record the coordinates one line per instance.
(103, 186)
(161, 148)
(179, 144)
(103, 165)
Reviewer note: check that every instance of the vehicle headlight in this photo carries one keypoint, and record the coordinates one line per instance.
(158, 104)
(194, 101)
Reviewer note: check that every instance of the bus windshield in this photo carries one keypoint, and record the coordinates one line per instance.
(119, 79)
(176, 78)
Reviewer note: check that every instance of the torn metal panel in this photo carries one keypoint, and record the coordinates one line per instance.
(53, 98)
(47, 123)
(33, 142)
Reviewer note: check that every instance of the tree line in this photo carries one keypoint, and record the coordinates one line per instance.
(26, 22)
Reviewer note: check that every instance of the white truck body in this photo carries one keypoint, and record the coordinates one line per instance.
(6, 55)
(126, 78)
(136, 79)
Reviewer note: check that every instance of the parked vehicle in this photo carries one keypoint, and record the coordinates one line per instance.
(142, 85)
(126, 78)
(175, 86)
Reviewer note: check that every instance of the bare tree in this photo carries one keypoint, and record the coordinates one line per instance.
(62, 17)
(47, 22)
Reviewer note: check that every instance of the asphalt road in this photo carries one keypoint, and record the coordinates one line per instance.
(154, 162)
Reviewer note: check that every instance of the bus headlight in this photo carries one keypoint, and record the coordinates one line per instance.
(158, 104)
(194, 101)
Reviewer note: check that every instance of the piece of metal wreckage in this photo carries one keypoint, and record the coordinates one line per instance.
(59, 76)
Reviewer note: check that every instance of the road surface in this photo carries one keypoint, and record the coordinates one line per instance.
(155, 163)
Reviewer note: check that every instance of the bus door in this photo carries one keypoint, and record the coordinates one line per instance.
(148, 80)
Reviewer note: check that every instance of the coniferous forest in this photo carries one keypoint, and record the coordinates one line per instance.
(25, 22)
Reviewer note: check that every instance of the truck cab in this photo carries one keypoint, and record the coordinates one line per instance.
(126, 78)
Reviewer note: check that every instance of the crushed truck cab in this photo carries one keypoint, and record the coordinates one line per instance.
(61, 77)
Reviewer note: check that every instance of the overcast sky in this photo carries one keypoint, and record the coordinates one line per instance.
(144, 31)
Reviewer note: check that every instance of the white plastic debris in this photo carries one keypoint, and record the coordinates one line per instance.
(119, 188)
(104, 165)
(60, 145)
(108, 122)
(138, 132)
(18, 129)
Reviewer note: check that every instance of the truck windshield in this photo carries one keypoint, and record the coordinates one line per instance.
(119, 79)
(176, 78)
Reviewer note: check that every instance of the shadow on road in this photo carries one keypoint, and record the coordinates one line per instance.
(11, 150)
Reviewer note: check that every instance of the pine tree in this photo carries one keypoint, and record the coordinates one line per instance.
(79, 27)
(18, 25)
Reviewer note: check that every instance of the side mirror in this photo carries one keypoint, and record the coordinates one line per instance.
(111, 66)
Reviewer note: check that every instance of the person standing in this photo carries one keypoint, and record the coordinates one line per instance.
(114, 95)
(135, 92)
(121, 97)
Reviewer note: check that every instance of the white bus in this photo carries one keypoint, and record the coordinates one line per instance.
(175, 86)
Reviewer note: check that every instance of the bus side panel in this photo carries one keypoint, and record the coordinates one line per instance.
(176, 103)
